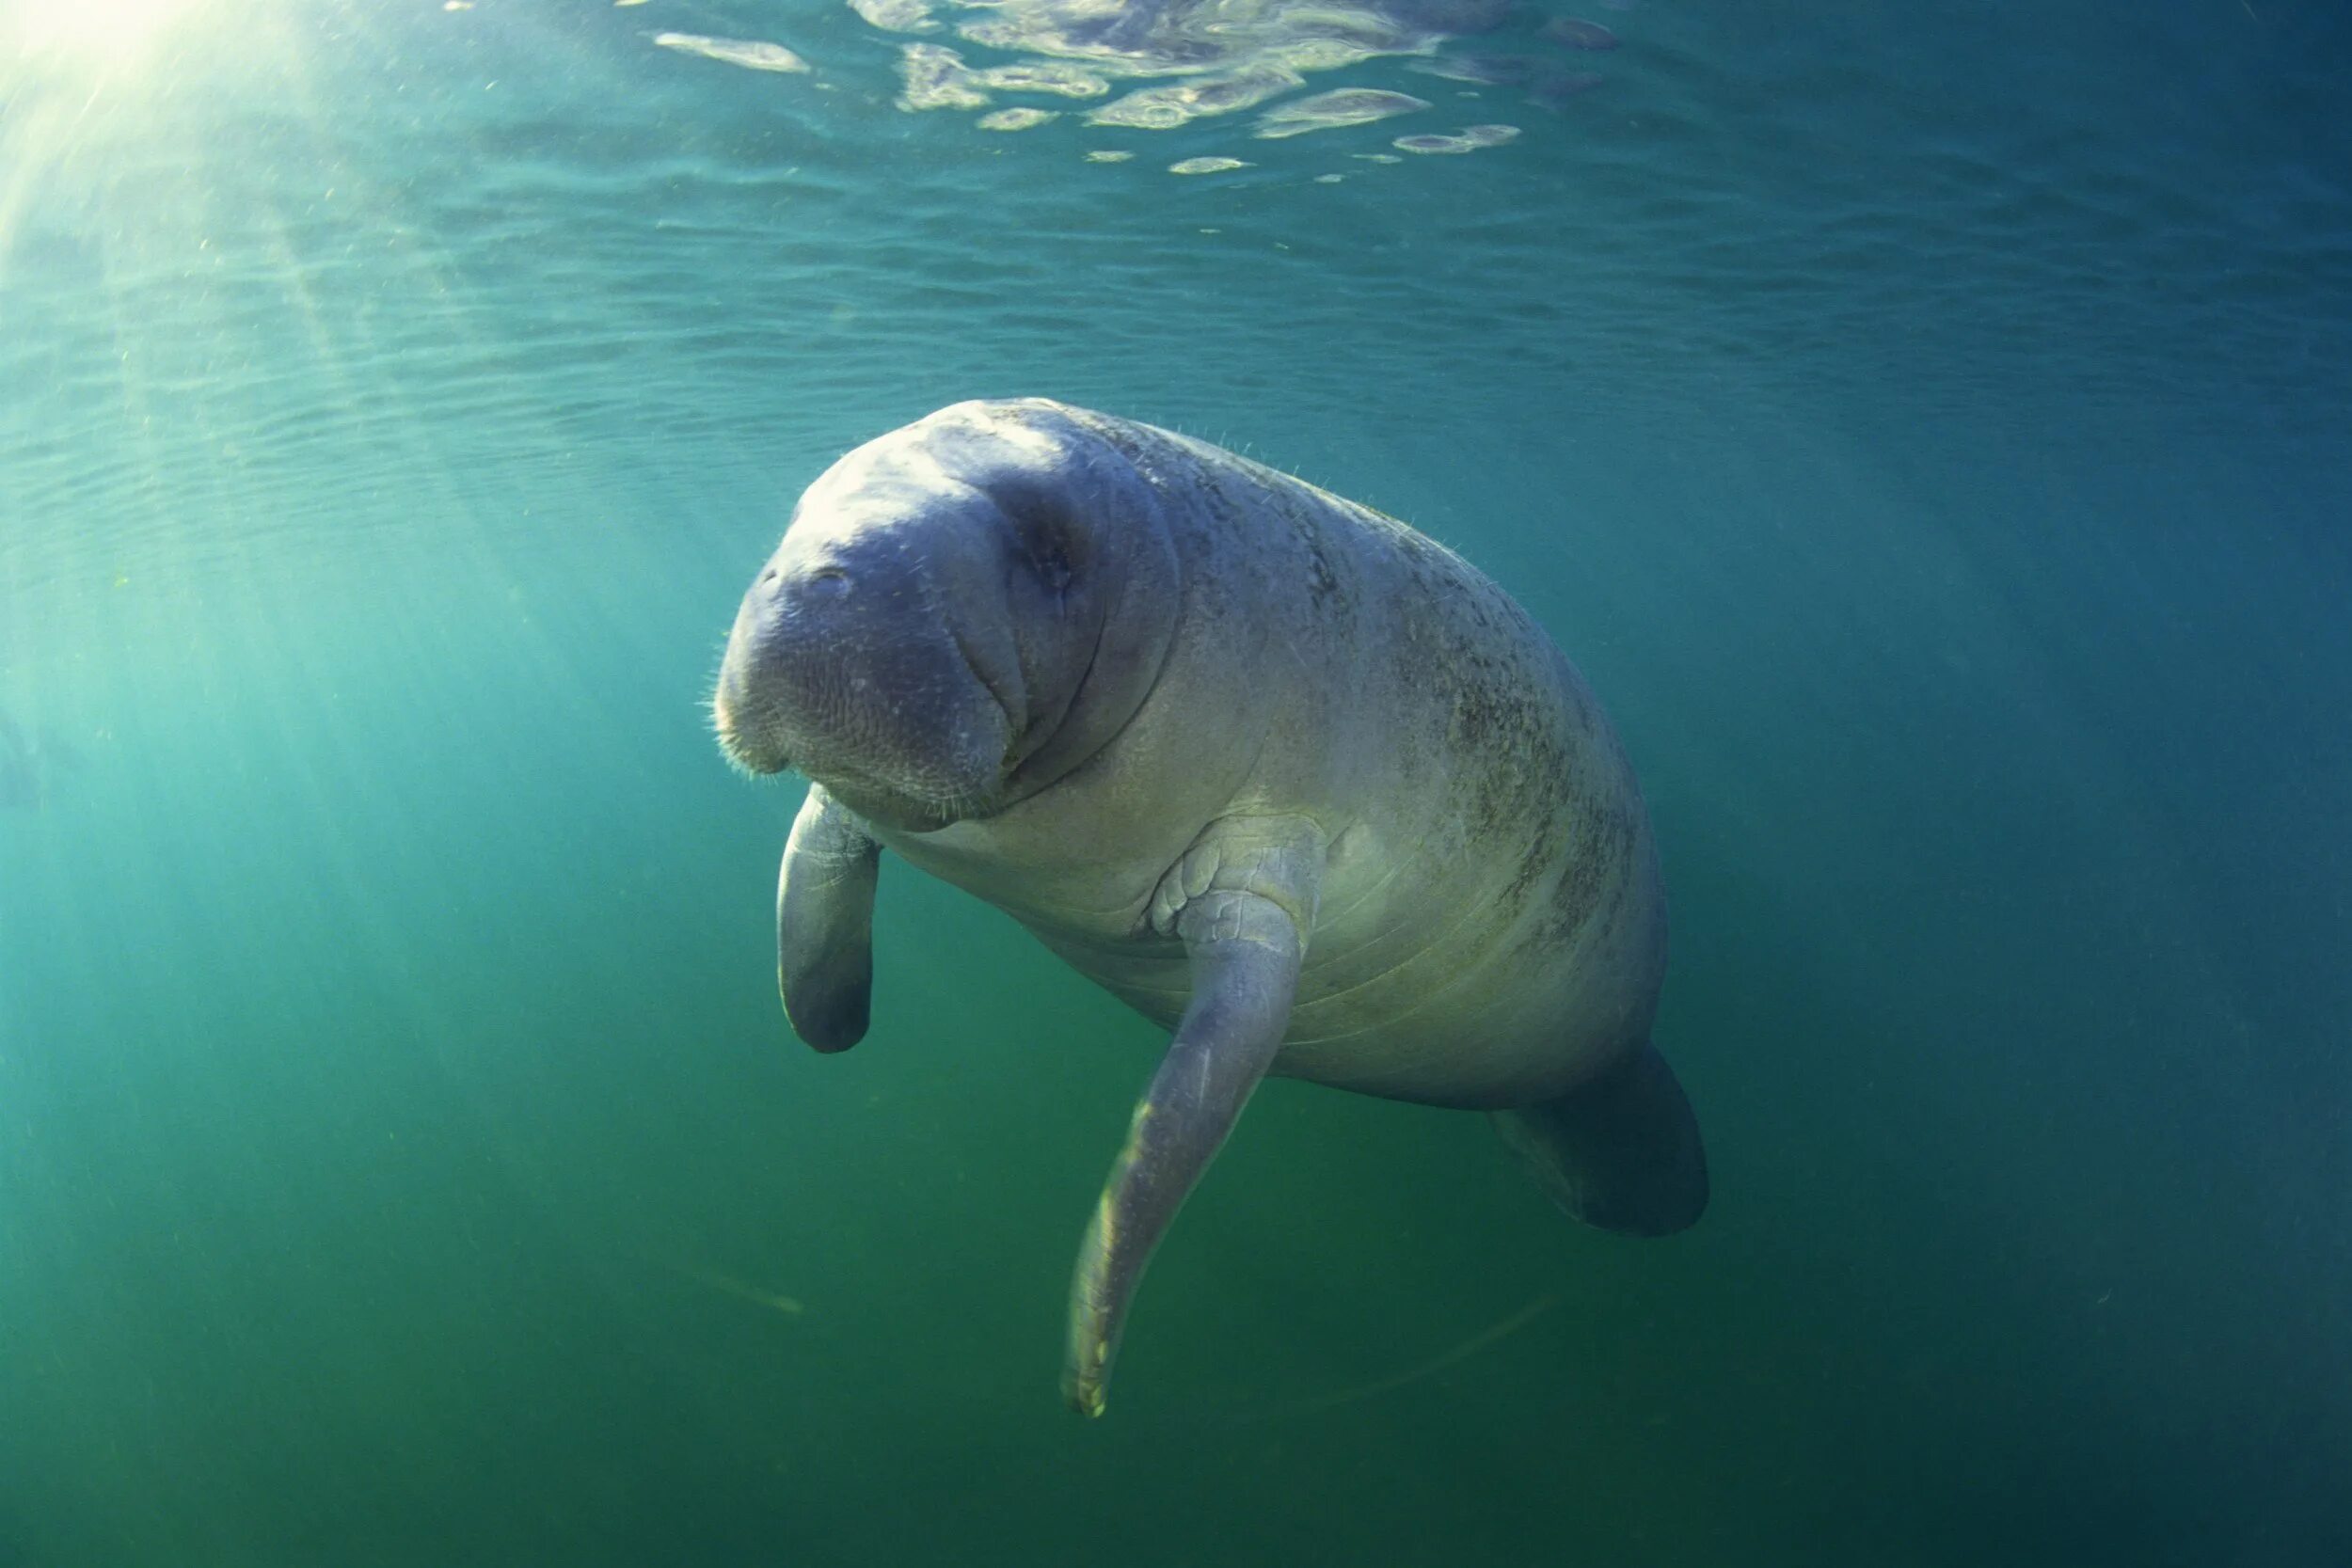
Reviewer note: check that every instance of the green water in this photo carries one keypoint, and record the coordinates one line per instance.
(1926, 433)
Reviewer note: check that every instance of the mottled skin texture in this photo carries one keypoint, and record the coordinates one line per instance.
(1276, 769)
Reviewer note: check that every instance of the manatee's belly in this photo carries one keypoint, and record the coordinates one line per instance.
(1437, 980)
(1453, 962)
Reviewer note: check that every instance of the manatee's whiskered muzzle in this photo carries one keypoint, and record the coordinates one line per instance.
(748, 728)
(845, 659)
(746, 755)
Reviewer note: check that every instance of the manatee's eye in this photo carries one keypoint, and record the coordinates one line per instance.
(830, 581)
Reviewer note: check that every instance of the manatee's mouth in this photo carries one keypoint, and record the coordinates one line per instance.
(737, 747)
(753, 739)
(919, 766)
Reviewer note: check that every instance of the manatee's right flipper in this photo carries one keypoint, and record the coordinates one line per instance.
(1620, 1152)
(1245, 952)
(825, 924)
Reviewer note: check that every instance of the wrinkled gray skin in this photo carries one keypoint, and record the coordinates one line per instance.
(1279, 771)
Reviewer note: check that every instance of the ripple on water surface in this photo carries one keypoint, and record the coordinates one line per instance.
(444, 260)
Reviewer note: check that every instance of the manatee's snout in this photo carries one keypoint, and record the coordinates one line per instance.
(846, 662)
(758, 673)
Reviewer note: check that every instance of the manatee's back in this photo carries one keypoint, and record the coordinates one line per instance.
(1492, 923)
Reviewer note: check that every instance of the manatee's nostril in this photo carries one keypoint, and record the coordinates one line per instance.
(769, 575)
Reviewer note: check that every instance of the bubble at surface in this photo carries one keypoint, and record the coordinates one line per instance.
(1164, 108)
(1162, 64)
(1577, 33)
(1107, 156)
(897, 16)
(1209, 58)
(1207, 165)
(1016, 119)
(750, 53)
(1327, 111)
(937, 78)
(1491, 70)
(1055, 76)
(1472, 138)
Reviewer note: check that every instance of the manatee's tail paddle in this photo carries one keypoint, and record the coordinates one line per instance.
(1620, 1152)
(1245, 952)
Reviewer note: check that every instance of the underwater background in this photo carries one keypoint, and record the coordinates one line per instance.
(1927, 427)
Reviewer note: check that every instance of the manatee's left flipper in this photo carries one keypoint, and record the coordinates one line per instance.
(1245, 952)
(825, 924)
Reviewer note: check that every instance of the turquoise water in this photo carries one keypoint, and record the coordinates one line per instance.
(1926, 432)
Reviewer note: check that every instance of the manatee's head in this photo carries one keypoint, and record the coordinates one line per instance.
(960, 613)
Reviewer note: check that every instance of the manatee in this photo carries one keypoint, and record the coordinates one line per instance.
(1283, 774)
